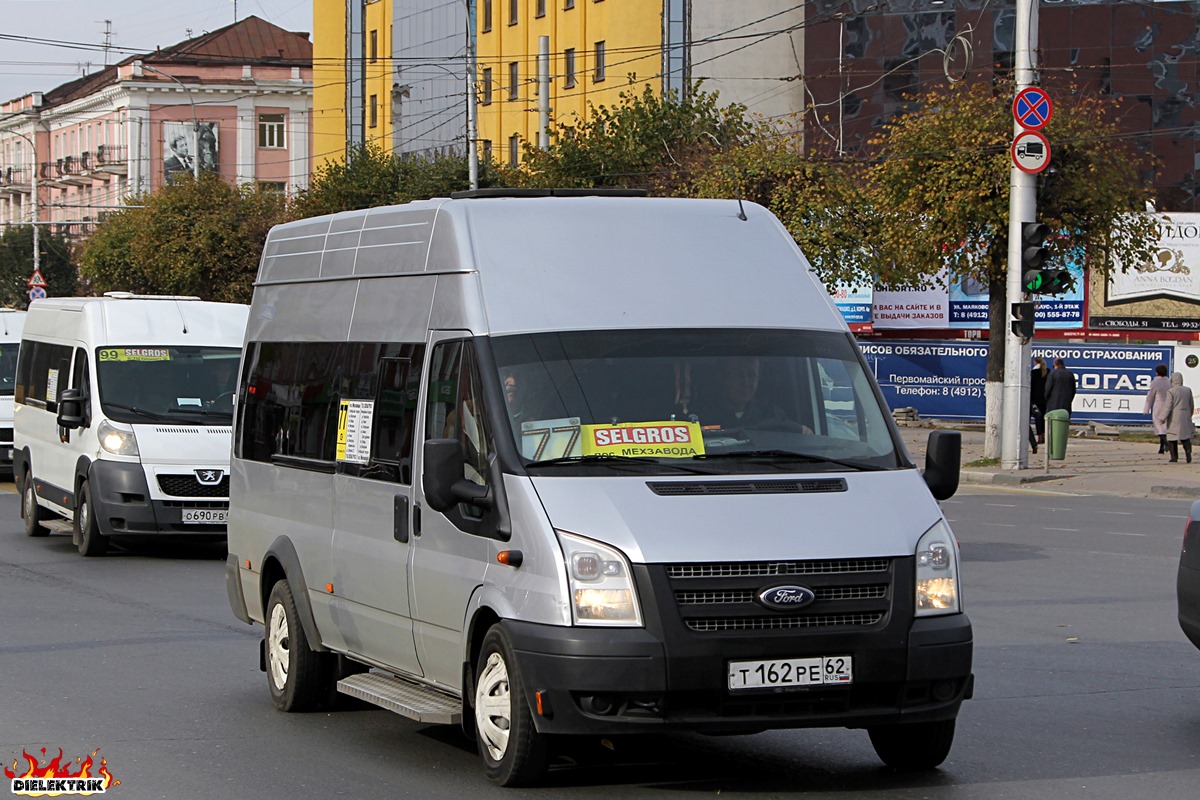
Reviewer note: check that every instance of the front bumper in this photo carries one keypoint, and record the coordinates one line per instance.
(122, 504)
(627, 680)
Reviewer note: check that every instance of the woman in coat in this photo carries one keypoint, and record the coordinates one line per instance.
(1176, 414)
(1156, 396)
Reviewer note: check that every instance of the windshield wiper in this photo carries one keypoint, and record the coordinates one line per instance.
(788, 455)
(613, 460)
(141, 412)
(204, 412)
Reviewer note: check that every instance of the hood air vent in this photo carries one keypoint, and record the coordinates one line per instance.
(691, 488)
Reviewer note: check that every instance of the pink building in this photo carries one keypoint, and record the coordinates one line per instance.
(237, 101)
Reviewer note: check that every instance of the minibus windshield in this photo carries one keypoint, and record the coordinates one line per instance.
(148, 383)
(8, 368)
(717, 400)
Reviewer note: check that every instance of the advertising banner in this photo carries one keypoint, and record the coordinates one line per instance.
(917, 308)
(945, 380)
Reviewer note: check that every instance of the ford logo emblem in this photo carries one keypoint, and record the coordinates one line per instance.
(782, 598)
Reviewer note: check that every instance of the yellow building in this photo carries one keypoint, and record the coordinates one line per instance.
(352, 76)
(598, 49)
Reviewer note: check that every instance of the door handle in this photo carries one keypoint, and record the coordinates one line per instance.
(417, 519)
(400, 518)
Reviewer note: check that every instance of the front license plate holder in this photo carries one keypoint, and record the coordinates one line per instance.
(791, 673)
(205, 516)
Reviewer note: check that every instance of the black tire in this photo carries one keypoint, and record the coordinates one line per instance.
(913, 747)
(88, 539)
(513, 752)
(297, 675)
(31, 512)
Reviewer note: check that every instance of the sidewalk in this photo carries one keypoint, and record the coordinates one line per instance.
(1097, 462)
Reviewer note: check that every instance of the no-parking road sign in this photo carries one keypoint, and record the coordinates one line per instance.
(1032, 108)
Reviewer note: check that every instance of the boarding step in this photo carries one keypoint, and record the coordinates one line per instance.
(58, 525)
(407, 698)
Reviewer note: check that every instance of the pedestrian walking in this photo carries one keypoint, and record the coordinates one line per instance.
(1156, 396)
(1037, 401)
(1060, 388)
(1176, 415)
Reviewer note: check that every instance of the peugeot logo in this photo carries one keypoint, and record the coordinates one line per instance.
(782, 598)
(209, 477)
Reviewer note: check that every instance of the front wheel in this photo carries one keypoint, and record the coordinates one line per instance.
(513, 752)
(88, 538)
(296, 674)
(31, 512)
(912, 747)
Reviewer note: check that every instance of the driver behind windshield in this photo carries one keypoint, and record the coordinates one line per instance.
(732, 399)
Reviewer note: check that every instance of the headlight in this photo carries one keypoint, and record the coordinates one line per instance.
(117, 441)
(600, 582)
(937, 572)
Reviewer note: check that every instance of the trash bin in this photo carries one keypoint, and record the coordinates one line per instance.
(1058, 430)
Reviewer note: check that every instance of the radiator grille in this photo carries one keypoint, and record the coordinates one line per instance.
(692, 488)
(782, 623)
(188, 486)
(720, 597)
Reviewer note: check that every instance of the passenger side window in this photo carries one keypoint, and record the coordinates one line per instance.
(289, 406)
(842, 419)
(456, 410)
(396, 411)
(43, 372)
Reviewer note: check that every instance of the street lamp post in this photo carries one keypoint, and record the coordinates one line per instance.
(195, 122)
(37, 252)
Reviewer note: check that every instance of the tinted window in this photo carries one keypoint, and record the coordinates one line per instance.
(8, 368)
(353, 404)
(456, 411)
(42, 373)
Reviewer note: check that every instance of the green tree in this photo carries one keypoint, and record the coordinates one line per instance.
(937, 194)
(369, 177)
(193, 237)
(16, 265)
(646, 141)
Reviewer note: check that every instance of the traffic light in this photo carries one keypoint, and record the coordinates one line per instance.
(1022, 324)
(1035, 278)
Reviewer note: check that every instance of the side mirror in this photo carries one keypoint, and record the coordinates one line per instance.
(442, 478)
(70, 409)
(943, 462)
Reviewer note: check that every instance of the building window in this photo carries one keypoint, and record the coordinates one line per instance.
(485, 24)
(487, 86)
(374, 48)
(276, 187)
(487, 151)
(514, 76)
(512, 12)
(373, 112)
(568, 4)
(599, 62)
(540, 8)
(514, 150)
(569, 68)
(271, 131)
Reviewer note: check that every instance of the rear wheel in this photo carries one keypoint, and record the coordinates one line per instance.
(513, 752)
(297, 675)
(88, 538)
(32, 513)
(917, 746)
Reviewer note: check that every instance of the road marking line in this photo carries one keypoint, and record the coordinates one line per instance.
(1069, 530)
(1000, 524)
(1118, 513)
(1001, 505)
(1119, 533)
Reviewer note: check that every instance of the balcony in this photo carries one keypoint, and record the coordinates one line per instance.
(110, 159)
(69, 172)
(16, 180)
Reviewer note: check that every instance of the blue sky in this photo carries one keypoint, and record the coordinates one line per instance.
(137, 25)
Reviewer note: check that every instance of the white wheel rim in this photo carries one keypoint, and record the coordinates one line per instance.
(84, 513)
(30, 501)
(493, 706)
(277, 647)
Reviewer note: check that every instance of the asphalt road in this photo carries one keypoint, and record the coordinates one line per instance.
(1085, 686)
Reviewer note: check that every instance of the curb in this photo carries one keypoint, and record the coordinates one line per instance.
(1015, 479)
(1181, 492)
